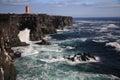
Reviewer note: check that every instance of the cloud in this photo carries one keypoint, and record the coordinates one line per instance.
(85, 3)
(15, 2)
(103, 4)
(65, 2)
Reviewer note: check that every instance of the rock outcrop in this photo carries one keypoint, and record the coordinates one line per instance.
(39, 25)
(7, 69)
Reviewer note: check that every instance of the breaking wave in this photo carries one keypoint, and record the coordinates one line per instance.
(105, 27)
(114, 44)
(24, 35)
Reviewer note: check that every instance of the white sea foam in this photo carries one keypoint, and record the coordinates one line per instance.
(50, 48)
(64, 30)
(69, 47)
(68, 75)
(114, 44)
(53, 60)
(105, 27)
(90, 21)
(83, 39)
(100, 40)
(112, 26)
(33, 49)
(70, 40)
(24, 35)
(47, 37)
(26, 51)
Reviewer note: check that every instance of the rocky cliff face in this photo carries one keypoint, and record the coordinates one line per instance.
(7, 69)
(39, 24)
(12, 24)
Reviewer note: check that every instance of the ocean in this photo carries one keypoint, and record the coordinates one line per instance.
(98, 36)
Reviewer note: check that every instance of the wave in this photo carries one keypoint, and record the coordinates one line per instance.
(47, 37)
(27, 50)
(53, 60)
(103, 29)
(70, 40)
(59, 59)
(24, 35)
(90, 21)
(99, 40)
(69, 75)
(60, 30)
(69, 47)
(112, 26)
(114, 44)
(106, 27)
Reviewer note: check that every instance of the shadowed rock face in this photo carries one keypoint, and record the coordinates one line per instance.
(12, 24)
(7, 69)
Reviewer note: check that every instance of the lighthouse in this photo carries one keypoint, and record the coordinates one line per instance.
(27, 9)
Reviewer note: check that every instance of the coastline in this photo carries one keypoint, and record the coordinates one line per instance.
(12, 24)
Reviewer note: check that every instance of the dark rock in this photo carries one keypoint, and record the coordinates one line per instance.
(83, 58)
(80, 57)
(7, 69)
(90, 55)
(17, 54)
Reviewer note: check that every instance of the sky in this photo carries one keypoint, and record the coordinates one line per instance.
(74, 8)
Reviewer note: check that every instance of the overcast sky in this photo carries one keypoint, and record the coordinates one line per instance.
(75, 8)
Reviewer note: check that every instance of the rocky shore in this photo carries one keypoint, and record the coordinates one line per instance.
(12, 24)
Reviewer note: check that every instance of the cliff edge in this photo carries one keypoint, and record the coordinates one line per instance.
(39, 25)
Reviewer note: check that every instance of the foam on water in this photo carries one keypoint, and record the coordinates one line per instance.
(70, 40)
(112, 26)
(106, 27)
(47, 37)
(57, 59)
(60, 30)
(69, 47)
(24, 35)
(114, 44)
(47, 71)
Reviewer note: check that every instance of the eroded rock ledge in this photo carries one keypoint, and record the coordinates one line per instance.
(12, 24)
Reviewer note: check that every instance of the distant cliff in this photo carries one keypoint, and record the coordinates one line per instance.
(12, 24)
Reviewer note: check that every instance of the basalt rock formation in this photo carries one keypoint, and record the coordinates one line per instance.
(7, 69)
(12, 24)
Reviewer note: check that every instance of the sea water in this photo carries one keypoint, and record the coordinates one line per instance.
(99, 36)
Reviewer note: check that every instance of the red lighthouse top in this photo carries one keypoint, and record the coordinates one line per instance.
(27, 9)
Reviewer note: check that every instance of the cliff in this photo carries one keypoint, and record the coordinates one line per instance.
(12, 24)
(39, 24)
(7, 69)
